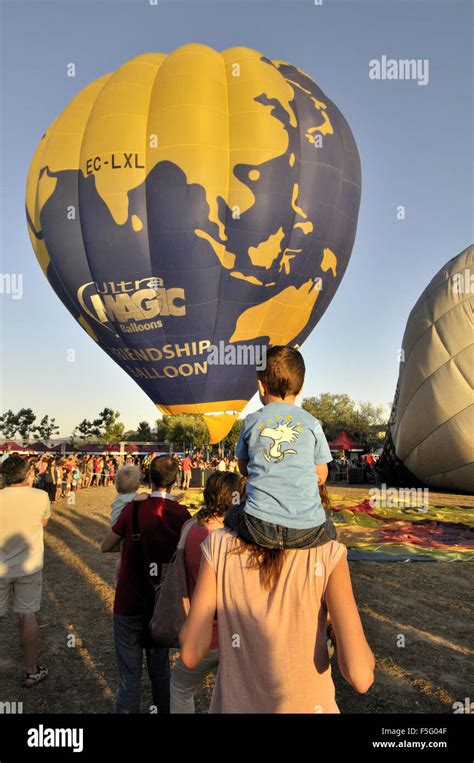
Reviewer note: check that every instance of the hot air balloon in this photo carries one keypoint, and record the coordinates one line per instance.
(432, 419)
(193, 200)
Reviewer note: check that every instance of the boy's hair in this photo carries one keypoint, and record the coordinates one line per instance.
(284, 371)
(127, 479)
(163, 471)
(14, 469)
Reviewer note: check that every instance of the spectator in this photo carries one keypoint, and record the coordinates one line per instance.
(186, 465)
(57, 478)
(127, 484)
(76, 478)
(89, 472)
(264, 597)
(50, 487)
(42, 465)
(160, 519)
(24, 512)
(97, 471)
(221, 465)
(219, 494)
(112, 470)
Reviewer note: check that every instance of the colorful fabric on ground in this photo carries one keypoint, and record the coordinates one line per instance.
(397, 533)
(404, 532)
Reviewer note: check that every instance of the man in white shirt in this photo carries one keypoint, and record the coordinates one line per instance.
(24, 512)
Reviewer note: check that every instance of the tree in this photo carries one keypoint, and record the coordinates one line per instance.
(144, 433)
(365, 421)
(85, 429)
(130, 435)
(333, 411)
(26, 420)
(114, 432)
(232, 438)
(46, 428)
(338, 412)
(9, 424)
(162, 429)
(107, 427)
(185, 430)
(24, 423)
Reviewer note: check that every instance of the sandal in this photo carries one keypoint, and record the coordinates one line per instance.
(30, 679)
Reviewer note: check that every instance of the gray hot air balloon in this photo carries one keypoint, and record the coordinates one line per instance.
(431, 426)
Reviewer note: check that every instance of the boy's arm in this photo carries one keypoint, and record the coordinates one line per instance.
(322, 471)
(322, 453)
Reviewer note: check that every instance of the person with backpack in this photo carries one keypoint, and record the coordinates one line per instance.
(150, 531)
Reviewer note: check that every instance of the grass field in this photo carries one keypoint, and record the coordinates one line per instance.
(429, 604)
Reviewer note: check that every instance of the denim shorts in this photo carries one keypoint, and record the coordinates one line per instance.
(268, 535)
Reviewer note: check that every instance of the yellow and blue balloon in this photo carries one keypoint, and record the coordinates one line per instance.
(193, 199)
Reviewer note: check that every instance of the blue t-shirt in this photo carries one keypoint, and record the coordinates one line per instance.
(282, 443)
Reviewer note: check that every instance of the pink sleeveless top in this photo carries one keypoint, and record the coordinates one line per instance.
(272, 644)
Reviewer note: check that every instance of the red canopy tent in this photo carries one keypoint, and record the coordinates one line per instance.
(344, 442)
(13, 447)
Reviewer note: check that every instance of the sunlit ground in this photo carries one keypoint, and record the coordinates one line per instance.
(417, 619)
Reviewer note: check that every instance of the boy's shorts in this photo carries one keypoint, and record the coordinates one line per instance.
(268, 535)
(25, 591)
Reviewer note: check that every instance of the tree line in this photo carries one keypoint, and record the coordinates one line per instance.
(364, 422)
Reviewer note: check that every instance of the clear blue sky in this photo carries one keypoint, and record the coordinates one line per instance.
(415, 144)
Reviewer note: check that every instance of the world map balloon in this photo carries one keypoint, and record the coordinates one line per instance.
(191, 201)
(432, 419)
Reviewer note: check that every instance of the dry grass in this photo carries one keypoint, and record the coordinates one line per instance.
(429, 604)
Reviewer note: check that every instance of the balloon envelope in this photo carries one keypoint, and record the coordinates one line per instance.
(193, 200)
(432, 418)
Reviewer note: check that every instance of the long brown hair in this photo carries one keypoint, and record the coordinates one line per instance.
(268, 560)
(223, 490)
(324, 495)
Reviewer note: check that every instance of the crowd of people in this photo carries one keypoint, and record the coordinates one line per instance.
(65, 474)
(261, 558)
(62, 475)
(367, 467)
